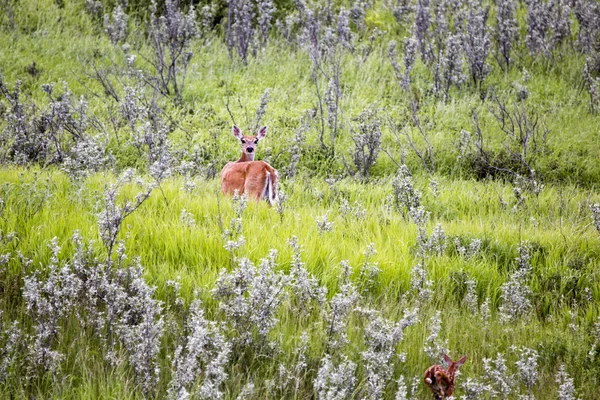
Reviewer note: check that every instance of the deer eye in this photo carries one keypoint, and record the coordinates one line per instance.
(243, 140)
(255, 141)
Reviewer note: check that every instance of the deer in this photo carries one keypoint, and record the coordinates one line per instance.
(440, 380)
(257, 179)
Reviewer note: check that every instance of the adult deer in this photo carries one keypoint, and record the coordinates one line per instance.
(440, 380)
(255, 178)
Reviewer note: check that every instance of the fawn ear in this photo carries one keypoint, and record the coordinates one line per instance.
(461, 361)
(447, 359)
(262, 132)
(237, 132)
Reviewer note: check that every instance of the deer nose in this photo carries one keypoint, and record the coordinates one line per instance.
(250, 149)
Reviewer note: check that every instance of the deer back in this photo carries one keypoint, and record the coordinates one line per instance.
(437, 379)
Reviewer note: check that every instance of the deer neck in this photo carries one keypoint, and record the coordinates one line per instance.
(451, 374)
(246, 157)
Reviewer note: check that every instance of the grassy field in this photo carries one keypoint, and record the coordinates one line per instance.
(495, 267)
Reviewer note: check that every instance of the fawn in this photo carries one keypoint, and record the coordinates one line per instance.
(440, 380)
(255, 178)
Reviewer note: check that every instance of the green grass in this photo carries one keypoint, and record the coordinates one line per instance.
(469, 209)
(40, 203)
(62, 50)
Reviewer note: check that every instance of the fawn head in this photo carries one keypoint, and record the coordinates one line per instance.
(249, 143)
(453, 366)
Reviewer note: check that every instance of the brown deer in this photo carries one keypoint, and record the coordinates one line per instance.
(257, 179)
(440, 380)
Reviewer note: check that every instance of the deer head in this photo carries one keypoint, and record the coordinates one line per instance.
(453, 366)
(249, 143)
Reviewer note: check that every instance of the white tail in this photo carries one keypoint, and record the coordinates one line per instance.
(270, 194)
(255, 178)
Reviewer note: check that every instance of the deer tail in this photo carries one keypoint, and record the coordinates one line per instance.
(270, 192)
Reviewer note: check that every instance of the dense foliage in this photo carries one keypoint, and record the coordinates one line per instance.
(439, 194)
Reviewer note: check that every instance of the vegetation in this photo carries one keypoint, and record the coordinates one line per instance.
(438, 194)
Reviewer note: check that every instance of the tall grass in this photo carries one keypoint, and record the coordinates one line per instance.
(179, 232)
(565, 247)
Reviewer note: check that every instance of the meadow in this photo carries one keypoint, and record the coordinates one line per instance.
(438, 194)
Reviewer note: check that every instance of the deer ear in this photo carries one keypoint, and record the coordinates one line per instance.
(262, 132)
(447, 359)
(237, 132)
(461, 361)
